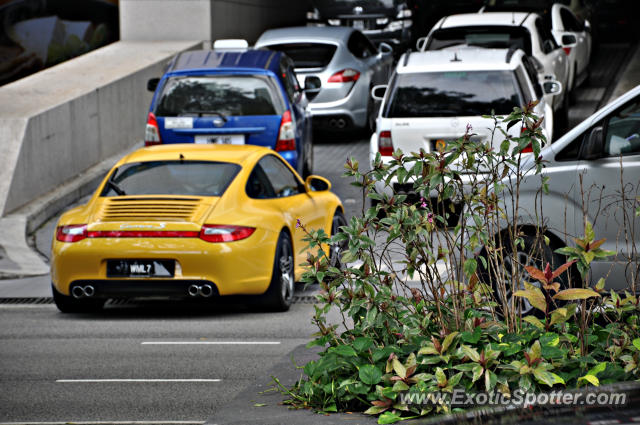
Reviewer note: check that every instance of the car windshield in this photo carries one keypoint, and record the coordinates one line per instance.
(307, 55)
(483, 36)
(195, 178)
(227, 95)
(450, 94)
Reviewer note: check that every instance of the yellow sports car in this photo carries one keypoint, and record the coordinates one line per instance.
(191, 221)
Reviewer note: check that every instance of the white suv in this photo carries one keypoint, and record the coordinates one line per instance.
(434, 95)
(527, 31)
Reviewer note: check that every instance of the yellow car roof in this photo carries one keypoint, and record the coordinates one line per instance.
(191, 152)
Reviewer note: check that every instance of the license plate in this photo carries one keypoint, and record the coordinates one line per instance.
(358, 24)
(140, 268)
(220, 139)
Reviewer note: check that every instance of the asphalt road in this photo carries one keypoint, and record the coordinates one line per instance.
(39, 346)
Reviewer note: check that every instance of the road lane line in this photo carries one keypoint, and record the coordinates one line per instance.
(211, 343)
(107, 423)
(135, 380)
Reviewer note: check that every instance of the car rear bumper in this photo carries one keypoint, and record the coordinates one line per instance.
(352, 108)
(232, 268)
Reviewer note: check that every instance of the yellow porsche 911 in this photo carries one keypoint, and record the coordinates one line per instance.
(191, 221)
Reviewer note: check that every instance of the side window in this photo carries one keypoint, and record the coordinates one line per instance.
(258, 185)
(285, 78)
(360, 46)
(533, 76)
(622, 135)
(569, 22)
(523, 82)
(547, 42)
(572, 151)
(283, 181)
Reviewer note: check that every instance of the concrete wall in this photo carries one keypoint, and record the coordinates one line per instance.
(206, 19)
(59, 122)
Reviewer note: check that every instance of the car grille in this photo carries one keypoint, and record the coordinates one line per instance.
(151, 210)
(367, 22)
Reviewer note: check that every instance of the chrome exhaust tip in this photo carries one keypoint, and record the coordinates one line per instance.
(77, 292)
(194, 290)
(206, 290)
(89, 291)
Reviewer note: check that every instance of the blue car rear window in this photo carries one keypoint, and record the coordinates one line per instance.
(195, 178)
(210, 95)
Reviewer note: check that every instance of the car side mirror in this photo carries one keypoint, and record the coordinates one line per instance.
(552, 87)
(312, 84)
(152, 84)
(592, 147)
(317, 184)
(421, 43)
(569, 40)
(377, 92)
(385, 48)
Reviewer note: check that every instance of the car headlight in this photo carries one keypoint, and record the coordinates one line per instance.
(404, 13)
(313, 15)
(334, 22)
(395, 26)
(382, 21)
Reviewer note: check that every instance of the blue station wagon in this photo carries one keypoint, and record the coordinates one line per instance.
(232, 96)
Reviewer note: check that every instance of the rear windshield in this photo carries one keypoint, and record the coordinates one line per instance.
(196, 178)
(307, 55)
(227, 95)
(486, 36)
(451, 94)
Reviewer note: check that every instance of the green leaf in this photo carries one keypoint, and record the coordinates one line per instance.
(259, 404)
(636, 343)
(399, 368)
(448, 340)
(362, 343)
(600, 367)
(345, 351)
(545, 377)
(400, 386)
(370, 374)
(534, 321)
(389, 418)
(575, 294)
(477, 372)
(374, 410)
(470, 352)
(441, 377)
(591, 379)
(470, 266)
(427, 350)
(536, 351)
(471, 338)
(535, 297)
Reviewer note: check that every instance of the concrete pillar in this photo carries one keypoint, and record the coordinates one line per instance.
(206, 20)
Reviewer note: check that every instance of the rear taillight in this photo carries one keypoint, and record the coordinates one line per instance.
(287, 135)
(567, 50)
(223, 233)
(152, 133)
(345, 76)
(385, 145)
(71, 233)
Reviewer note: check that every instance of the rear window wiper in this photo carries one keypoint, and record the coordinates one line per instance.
(203, 113)
(116, 188)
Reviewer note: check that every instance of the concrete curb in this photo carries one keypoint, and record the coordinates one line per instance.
(18, 259)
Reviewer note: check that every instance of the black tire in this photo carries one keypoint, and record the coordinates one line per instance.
(67, 304)
(534, 253)
(335, 253)
(279, 296)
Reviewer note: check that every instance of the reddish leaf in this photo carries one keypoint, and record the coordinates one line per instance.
(562, 268)
(535, 273)
(548, 274)
(596, 244)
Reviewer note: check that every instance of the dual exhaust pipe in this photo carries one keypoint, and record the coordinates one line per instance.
(87, 291)
(205, 290)
(339, 123)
